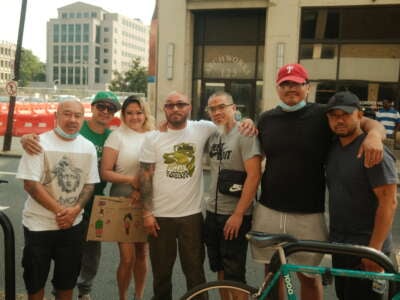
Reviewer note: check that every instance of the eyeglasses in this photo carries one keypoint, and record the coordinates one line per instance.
(290, 84)
(102, 107)
(213, 109)
(179, 105)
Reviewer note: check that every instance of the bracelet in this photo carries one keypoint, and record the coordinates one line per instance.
(148, 215)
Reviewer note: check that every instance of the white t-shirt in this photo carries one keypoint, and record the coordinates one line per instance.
(63, 168)
(178, 177)
(128, 144)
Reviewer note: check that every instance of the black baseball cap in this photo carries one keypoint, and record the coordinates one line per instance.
(346, 101)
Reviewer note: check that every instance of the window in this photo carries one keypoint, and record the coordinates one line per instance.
(78, 15)
(63, 54)
(70, 33)
(105, 71)
(97, 55)
(97, 34)
(85, 33)
(86, 15)
(78, 29)
(78, 54)
(63, 75)
(97, 75)
(94, 15)
(56, 33)
(71, 15)
(352, 48)
(105, 50)
(55, 55)
(70, 75)
(105, 61)
(63, 33)
(85, 55)
(64, 15)
(106, 29)
(55, 75)
(77, 75)
(70, 54)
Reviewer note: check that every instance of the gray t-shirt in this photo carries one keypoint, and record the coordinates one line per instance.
(236, 149)
(352, 202)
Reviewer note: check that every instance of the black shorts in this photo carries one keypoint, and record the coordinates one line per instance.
(62, 246)
(348, 288)
(226, 255)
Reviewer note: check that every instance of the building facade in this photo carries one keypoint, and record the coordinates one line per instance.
(238, 46)
(7, 56)
(85, 44)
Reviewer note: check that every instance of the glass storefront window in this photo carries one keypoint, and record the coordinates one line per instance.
(229, 61)
(370, 62)
(320, 60)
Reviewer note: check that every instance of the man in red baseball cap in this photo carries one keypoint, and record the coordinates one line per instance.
(295, 138)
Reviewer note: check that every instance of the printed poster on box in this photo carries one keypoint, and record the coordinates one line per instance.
(113, 219)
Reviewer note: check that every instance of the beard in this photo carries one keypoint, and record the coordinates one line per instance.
(220, 129)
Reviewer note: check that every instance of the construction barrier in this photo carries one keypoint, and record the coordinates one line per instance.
(37, 121)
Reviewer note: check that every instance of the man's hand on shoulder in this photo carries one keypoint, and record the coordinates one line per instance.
(31, 143)
(247, 127)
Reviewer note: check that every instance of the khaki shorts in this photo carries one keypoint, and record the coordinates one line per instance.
(301, 226)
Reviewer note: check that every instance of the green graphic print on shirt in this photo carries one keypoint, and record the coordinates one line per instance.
(181, 162)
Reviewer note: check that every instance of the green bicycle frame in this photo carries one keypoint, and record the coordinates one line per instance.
(286, 271)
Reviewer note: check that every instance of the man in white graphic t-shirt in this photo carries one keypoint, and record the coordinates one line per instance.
(171, 191)
(59, 181)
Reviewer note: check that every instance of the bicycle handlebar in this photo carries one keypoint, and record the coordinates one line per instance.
(291, 245)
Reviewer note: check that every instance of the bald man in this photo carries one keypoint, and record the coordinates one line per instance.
(59, 181)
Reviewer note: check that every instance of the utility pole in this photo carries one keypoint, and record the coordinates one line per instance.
(12, 90)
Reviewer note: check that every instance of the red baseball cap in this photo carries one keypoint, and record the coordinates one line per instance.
(292, 72)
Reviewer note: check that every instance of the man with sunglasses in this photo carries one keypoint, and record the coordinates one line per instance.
(295, 138)
(171, 186)
(104, 105)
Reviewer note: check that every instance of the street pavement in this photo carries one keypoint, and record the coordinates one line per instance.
(105, 287)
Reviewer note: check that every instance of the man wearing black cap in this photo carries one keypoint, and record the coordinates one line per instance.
(362, 201)
(295, 138)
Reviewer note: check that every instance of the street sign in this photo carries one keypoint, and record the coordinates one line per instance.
(11, 88)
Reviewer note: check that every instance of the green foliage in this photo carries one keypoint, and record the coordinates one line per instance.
(31, 68)
(133, 80)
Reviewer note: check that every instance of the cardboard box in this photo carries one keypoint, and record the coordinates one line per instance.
(113, 219)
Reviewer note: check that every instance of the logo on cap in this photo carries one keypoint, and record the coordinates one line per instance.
(289, 68)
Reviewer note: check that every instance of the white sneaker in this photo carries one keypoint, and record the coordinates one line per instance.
(84, 297)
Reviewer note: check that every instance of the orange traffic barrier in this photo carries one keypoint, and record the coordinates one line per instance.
(3, 123)
(24, 124)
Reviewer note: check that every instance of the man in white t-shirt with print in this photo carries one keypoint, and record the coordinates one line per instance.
(59, 181)
(171, 191)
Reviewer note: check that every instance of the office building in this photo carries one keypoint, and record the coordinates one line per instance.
(86, 43)
(238, 46)
(7, 56)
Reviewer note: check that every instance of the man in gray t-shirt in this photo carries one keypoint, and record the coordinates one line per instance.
(229, 217)
(362, 201)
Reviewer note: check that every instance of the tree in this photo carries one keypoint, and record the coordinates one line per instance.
(133, 80)
(31, 68)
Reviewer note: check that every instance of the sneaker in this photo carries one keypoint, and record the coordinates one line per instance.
(84, 297)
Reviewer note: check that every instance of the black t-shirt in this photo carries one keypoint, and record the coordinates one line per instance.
(296, 145)
(352, 202)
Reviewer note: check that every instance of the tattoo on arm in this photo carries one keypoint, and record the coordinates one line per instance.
(85, 195)
(146, 174)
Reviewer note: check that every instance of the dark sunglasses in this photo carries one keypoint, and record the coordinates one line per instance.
(179, 105)
(102, 107)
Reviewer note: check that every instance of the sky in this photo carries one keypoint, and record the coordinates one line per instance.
(38, 12)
